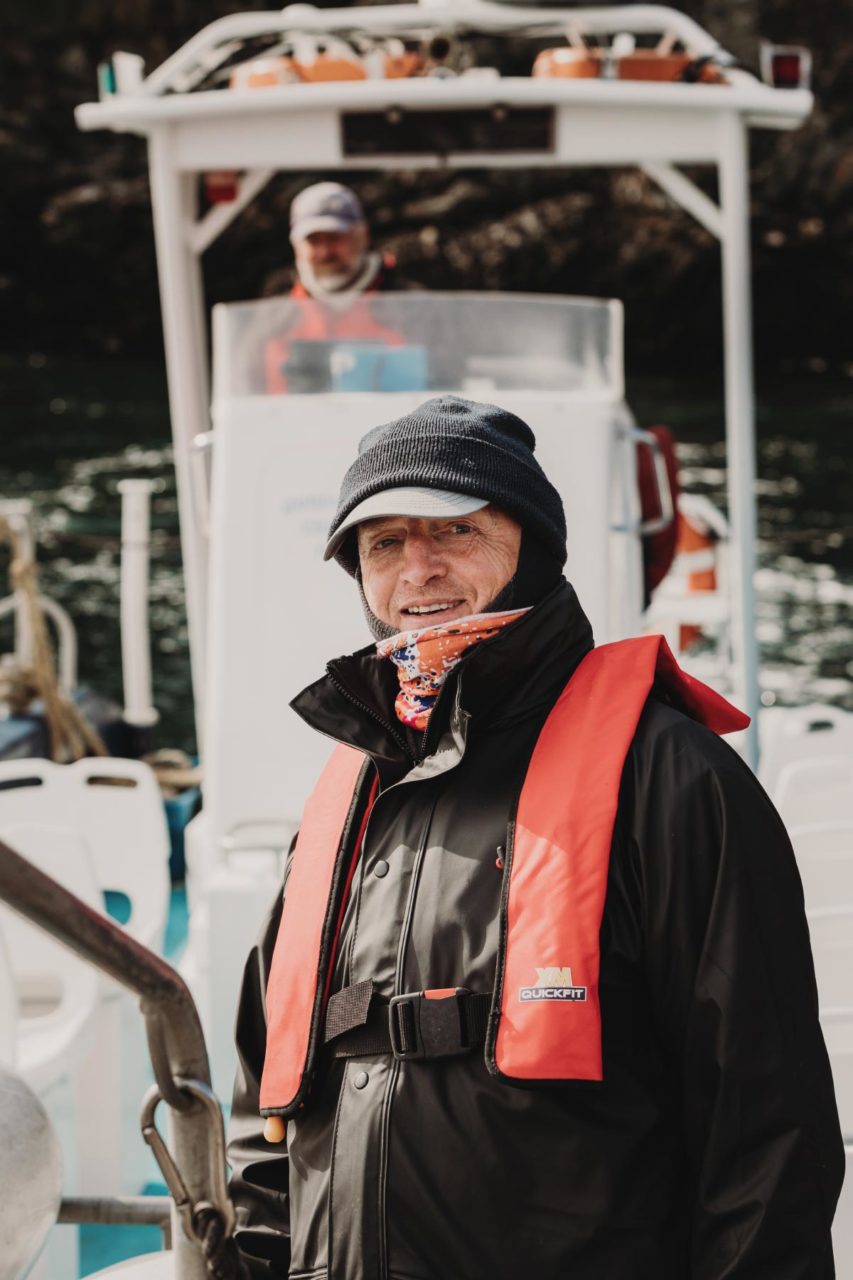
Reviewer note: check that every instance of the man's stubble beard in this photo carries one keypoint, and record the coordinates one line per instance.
(336, 281)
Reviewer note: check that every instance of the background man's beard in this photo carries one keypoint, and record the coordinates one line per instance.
(328, 287)
(334, 281)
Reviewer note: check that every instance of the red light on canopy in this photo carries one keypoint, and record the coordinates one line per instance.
(786, 66)
(221, 186)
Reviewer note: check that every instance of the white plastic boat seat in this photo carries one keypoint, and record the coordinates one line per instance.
(116, 807)
(793, 734)
(824, 852)
(57, 993)
(113, 1073)
(251, 849)
(148, 1266)
(819, 789)
(64, 1008)
(125, 826)
(52, 1043)
(831, 931)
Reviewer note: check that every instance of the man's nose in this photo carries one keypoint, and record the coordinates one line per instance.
(421, 562)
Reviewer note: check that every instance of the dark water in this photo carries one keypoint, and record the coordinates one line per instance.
(71, 431)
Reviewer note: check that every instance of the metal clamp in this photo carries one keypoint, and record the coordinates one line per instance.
(219, 1199)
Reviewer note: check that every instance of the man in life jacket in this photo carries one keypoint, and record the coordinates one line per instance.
(338, 273)
(538, 998)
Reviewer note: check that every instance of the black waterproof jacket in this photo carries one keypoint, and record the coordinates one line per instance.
(712, 1147)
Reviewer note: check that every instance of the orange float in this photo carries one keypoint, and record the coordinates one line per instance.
(648, 64)
(696, 543)
(265, 73)
(569, 63)
(399, 66)
(576, 62)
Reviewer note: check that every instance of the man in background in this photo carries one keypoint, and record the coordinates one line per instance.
(337, 272)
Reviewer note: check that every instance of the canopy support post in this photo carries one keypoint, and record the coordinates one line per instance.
(685, 193)
(217, 219)
(174, 200)
(740, 412)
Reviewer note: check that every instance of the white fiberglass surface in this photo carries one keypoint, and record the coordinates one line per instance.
(477, 344)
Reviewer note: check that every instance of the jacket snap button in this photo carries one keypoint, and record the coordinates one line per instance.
(360, 1079)
(381, 868)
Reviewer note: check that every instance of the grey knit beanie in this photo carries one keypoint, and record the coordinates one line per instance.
(456, 446)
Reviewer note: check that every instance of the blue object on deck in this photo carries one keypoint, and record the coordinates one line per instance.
(117, 906)
(104, 1246)
(371, 366)
(25, 735)
(179, 810)
(177, 926)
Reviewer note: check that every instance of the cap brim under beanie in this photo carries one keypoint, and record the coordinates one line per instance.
(451, 446)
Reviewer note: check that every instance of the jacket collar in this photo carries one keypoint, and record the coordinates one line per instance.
(516, 674)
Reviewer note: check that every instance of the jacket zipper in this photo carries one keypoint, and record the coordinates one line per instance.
(390, 1087)
(369, 711)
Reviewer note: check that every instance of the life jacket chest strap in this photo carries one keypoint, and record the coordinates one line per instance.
(416, 1025)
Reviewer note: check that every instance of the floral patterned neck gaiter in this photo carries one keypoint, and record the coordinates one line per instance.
(424, 657)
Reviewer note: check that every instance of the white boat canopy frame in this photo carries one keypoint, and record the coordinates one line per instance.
(300, 127)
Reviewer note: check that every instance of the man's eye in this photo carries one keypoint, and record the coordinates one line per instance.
(382, 544)
(462, 527)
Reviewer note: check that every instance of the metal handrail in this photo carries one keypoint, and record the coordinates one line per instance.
(125, 1211)
(65, 632)
(175, 1038)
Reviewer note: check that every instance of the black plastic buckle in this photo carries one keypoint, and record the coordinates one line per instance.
(423, 1025)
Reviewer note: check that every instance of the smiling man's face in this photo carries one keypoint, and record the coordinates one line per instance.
(416, 572)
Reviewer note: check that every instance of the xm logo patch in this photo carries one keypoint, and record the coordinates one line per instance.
(553, 984)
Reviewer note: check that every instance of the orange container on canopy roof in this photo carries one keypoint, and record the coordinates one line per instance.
(262, 73)
(660, 65)
(570, 63)
(648, 64)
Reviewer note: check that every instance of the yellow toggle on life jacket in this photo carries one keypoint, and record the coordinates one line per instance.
(555, 878)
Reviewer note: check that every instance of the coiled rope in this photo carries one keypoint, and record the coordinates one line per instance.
(70, 735)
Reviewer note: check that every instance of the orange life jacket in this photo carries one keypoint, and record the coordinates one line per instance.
(317, 322)
(545, 1021)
